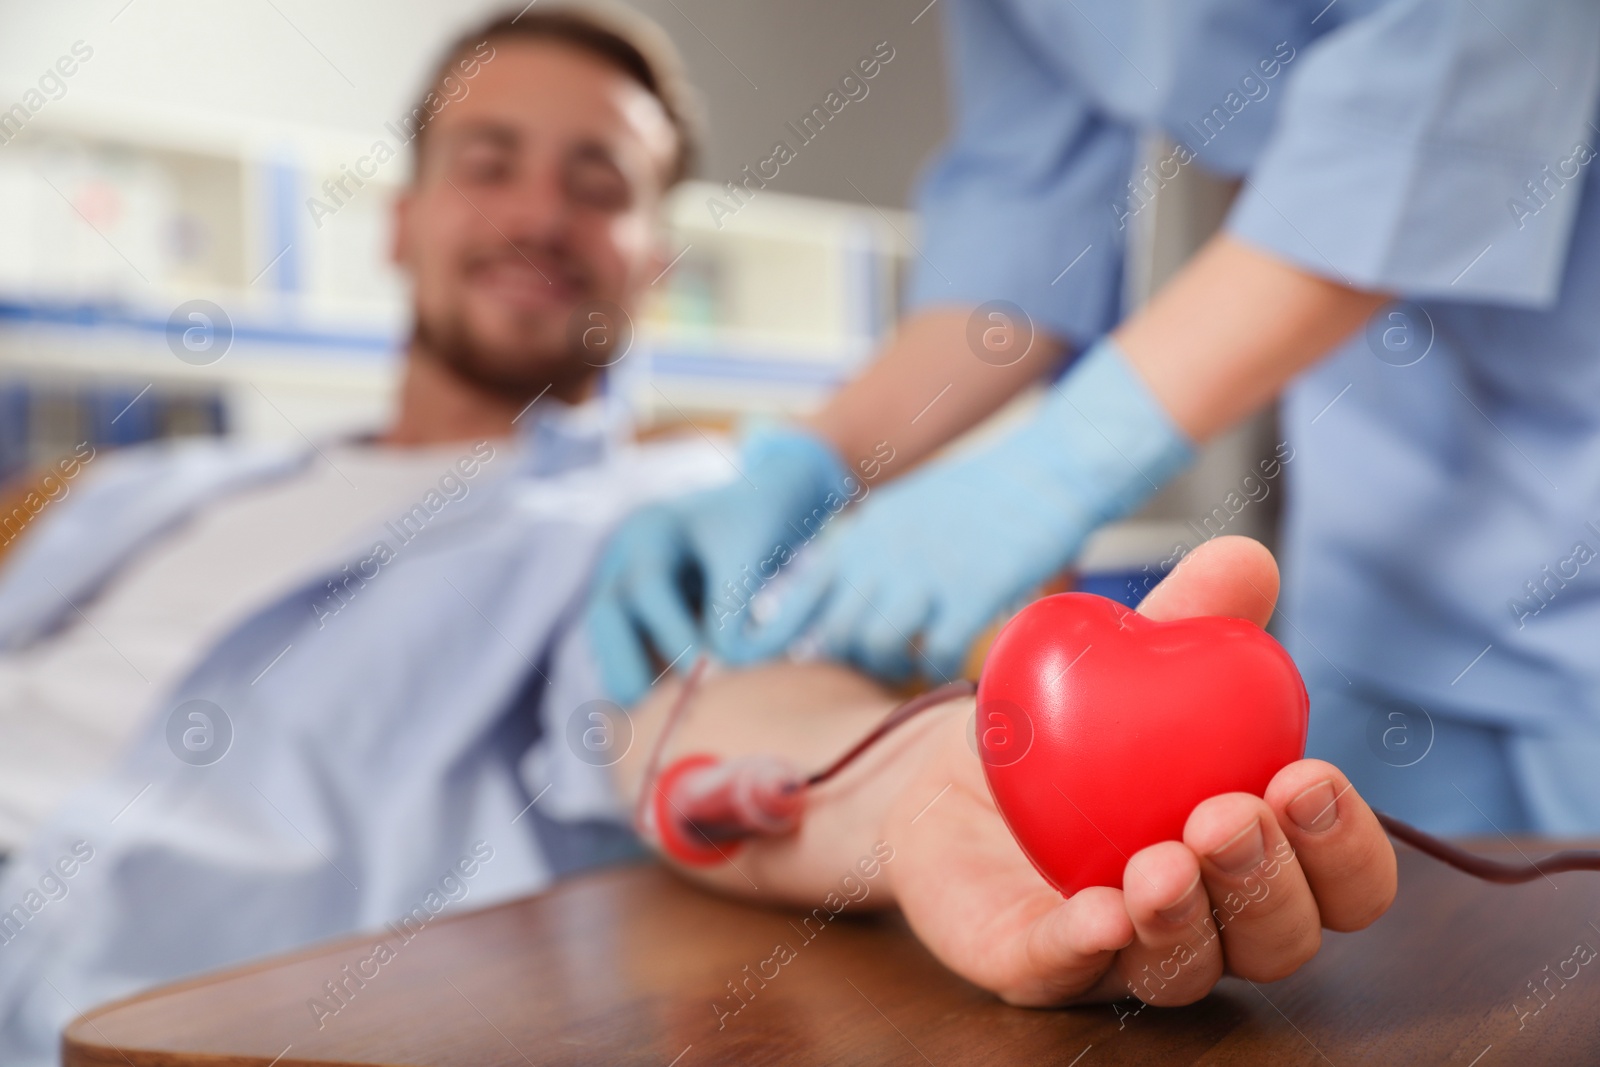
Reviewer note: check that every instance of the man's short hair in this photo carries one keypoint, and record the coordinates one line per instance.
(613, 34)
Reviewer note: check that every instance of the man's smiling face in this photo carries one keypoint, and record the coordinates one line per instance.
(536, 193)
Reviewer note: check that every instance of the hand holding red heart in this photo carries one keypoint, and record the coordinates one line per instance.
(1100, 729)
(1163, 716)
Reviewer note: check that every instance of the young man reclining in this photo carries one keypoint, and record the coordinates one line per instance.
(336, 700)
(254, 696)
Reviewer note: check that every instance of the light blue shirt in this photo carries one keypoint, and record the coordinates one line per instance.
(376, 755)
(1435, 149)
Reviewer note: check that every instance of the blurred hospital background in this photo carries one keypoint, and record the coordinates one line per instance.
(162, 273)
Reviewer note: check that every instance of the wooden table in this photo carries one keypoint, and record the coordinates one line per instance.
(624, 967)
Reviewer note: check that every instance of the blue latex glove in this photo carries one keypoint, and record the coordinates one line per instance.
(707, 551)
(939, 555)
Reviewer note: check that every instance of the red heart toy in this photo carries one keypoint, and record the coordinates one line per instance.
(1100, 730)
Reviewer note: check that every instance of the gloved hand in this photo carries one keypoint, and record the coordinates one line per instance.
(933, 558)
(669, 562)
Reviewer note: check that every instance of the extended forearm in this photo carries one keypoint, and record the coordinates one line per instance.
(927, 387)
(1230, 331)
(807, 714)
(1216, 344)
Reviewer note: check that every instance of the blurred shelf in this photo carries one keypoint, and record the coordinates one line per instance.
(121, 215)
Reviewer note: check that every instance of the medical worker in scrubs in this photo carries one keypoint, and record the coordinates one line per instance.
(1412, 264)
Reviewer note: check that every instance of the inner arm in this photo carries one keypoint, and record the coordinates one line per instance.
(1230, 331)
(925, 388)
(808, 714)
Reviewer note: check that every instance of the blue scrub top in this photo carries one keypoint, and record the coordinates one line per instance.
(1443, 514)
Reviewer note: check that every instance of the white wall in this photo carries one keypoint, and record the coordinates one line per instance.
(350, 65)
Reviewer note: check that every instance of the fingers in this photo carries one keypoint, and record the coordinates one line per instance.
(1347, 858)
(955, 626)
(875, 624)
(862, 625)
(635, 599)
(1231, 576)
(1262, 907)
(1174, 958)
(1247, 892)
(1234, 896)
(880, 641)
(659, 607)
(618, 650)
(797, 607)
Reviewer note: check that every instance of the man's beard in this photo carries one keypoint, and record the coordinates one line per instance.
(518, 376)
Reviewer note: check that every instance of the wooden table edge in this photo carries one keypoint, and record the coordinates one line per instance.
(80, 1049)
(77, 1050)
